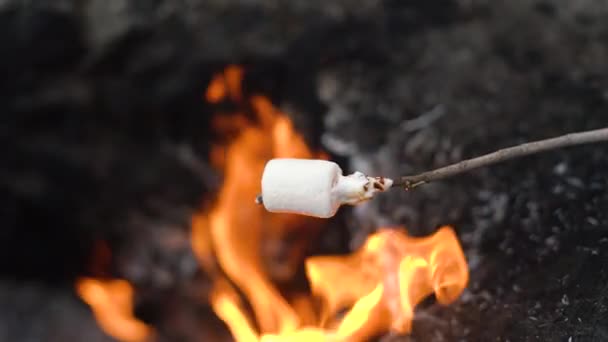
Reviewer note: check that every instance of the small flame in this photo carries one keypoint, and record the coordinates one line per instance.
(227, 305)
(227, 84)
(379, 285)
(386, 279)
(112, 305)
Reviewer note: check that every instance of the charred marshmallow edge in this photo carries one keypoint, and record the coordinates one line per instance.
(314, 187)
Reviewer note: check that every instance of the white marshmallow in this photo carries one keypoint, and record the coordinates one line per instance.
(314, 187)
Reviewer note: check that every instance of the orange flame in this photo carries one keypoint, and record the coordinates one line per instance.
(235, 228)
(112, 305)
(379, 285)
(386, 279)
(225, 85)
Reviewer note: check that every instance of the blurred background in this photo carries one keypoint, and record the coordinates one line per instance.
(117, 119)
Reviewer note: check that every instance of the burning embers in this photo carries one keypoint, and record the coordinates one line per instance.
(242, 246)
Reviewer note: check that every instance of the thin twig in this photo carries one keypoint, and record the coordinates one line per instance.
(572, 139)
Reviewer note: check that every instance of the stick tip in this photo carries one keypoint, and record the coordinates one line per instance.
(407, 184)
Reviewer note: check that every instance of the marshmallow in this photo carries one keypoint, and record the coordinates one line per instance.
(314, 187)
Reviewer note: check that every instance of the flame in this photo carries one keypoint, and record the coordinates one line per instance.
(112, 305)
(233, 230)
(386, 279)
(379, 285)
(369, 292)
(227, 84)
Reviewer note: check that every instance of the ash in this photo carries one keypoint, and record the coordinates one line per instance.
(104, 136)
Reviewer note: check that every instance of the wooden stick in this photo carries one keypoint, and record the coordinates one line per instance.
(572, 139)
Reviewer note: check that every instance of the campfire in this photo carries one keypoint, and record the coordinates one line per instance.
(353, 297)
(184, 171)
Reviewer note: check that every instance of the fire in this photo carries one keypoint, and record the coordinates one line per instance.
(112, 304)
(227, 84)
(234, 229)
(369, 292)
(379, 285)
(385, 279)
